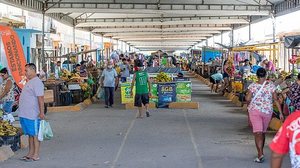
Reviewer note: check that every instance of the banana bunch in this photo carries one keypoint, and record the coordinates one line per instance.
(65, 73)
(284, 74)
(252, 78)
(84, 86)
(163, 77)
(7, 130)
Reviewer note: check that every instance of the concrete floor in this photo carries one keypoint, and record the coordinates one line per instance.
(215, 136)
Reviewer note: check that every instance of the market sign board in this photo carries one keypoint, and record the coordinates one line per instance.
(14, 54)
(125, 93)
(184, 91)
(166, 94)
(154, 97)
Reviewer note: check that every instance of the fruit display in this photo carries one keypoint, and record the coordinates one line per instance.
(163, 77)
(237, 86)
(70, 77)
(84, 86)
(284, 74)
(7, 129)
(252, 78)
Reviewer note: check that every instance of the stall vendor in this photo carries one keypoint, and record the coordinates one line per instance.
(7, 96)
(44, 73)
(77, 69)
(57, 70)
(83, 71)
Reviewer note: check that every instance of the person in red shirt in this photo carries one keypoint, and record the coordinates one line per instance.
(287, 140)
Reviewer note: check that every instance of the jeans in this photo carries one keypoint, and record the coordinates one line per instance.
(109, 95)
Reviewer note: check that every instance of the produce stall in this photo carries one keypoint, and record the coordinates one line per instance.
(165, 90)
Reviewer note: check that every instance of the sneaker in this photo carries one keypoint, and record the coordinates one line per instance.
(259, 159)
(147, 114)
(106, 106)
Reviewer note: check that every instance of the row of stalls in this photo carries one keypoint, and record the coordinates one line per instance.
(281, 59)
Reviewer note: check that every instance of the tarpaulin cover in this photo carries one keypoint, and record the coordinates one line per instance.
(292, 41)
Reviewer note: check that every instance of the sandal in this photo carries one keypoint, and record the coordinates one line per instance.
(25, 158)
(260, 159)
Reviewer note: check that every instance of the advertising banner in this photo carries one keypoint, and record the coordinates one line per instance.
(184, 91)
(166, 94)
(14, 54)
(125, 93)
(154, 98)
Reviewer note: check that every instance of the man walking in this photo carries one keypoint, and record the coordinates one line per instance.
(124, 70)
(142, 89)
(108, 80)
(31, 111)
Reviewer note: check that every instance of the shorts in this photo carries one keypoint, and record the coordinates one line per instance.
(214, 81)
(30, 127)
(141, 99)
(260, 121)
(225, 75)
(7, 106)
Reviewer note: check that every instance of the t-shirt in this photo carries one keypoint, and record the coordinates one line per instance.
(264, 100)
(125, 70)
(10, 96)
(141, 79)
(288, 139)
(109, 77)
(217, 76)
(28, 103)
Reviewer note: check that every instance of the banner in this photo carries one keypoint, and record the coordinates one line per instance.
(166, 94)
(154, 98)
(125, 93)
(14, 54)
(184, 91)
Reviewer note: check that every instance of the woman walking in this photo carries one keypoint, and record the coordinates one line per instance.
(294, 94)
(7, 96)
(260, 97)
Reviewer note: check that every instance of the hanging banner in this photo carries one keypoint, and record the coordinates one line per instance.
(14, 54)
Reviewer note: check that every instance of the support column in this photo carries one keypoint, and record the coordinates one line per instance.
(274, 27)
(43, 40)
(74, 39)
(250, 29)
(206, 42)
(232, 37)
(90, 40)
(222, 37)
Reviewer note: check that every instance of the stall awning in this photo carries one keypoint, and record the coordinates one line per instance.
(292, 41)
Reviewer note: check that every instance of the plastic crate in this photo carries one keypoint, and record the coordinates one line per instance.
(13, 141)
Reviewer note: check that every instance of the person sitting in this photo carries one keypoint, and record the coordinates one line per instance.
(216, 79)
(77, 69)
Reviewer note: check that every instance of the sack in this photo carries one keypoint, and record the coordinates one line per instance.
(45, 131)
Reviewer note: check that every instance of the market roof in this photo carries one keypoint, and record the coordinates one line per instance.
(157, 24)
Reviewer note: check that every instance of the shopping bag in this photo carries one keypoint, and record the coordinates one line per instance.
(40, 134)
(100, 94)
(275, 124)
(8, 117)
(46, 130)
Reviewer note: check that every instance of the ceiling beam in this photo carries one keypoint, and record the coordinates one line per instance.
(161, 43)
(158, 23)
(162, 39)
(172, 8)
(161, 33)
(163, 36)
(139, 29)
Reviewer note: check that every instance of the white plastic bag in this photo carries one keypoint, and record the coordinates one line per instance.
(8, 117)
(45, 131)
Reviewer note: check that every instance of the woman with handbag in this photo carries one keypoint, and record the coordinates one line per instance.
(260, 97)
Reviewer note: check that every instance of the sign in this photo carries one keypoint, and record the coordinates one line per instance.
(14, 54)
(154, 98)
(166, 94)
(125, 93)
(184, 91)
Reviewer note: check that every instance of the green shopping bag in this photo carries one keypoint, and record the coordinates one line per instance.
(45, 131)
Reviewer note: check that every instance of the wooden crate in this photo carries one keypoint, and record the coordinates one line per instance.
(48, 96)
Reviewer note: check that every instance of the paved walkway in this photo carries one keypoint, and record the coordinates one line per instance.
(215, 136)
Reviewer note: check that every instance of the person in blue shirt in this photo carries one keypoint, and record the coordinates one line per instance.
(215, 79)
